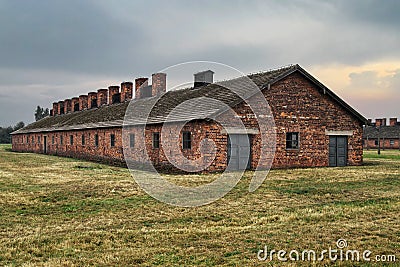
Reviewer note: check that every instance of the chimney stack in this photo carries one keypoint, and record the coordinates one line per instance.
(114, 96)
(83, 102)
(55, 108)
(60, 107)
(102, 97)
(393, 121)
(75, 104)
(126, 91)
(369, 121)
(203, 78)
(380, 122)
(67, 106)
(92, 100)
(140, 83)
(158, 84)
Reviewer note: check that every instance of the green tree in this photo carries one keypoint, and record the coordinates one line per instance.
(41, 113)
(5, 133)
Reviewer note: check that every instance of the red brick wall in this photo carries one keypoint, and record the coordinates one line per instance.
(298, 106)
(385, 143)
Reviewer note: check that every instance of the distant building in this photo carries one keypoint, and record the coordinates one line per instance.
(314, 127)
(383, 135)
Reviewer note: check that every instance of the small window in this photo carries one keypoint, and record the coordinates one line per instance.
(38, 139)
(52, 140)
(112, 140)
(83, 139)
(61, 139)
(187, 140)
(392, 142)
(376, 142)
(132, 140)
(292, 140)
(156, 140)
(33, 140)
(71, 139)
(96, 140)
(27, 139)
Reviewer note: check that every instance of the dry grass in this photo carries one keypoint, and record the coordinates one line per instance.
(57, 211)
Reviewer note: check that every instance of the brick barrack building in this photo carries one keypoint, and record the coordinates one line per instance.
(313, 126)
(383, 135)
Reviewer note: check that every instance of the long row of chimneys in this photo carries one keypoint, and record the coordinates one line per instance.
(382, 122)
(112, 95)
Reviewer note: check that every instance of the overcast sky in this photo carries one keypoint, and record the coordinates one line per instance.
(51, 50)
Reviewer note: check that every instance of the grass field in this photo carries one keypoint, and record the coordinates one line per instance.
(59, 211)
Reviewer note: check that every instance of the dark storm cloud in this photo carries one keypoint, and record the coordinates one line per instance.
(379, 13)
(67, 35)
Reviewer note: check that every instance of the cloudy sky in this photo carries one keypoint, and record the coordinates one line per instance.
(51, 50)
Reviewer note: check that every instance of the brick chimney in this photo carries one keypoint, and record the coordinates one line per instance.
(140, 83)
(75, 104)
(203, 78)
(393, 121)
(158, 84)
(83, 102)
(102, 97)
(67, 106)
(369, 121)
(114, 96)
(380, 122)
(60, 107)
(92, 100)
(126, 91)
(55, 108)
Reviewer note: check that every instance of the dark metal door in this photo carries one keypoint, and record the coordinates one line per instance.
(337, 151)
(45, 144)
(238, 152)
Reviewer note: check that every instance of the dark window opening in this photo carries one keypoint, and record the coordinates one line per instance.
(292, 140)
(71, 139)
(83, 139)
(112, 140)
(376, 142)
(76, 107)
(132, 140)
(156, 140)
(52, 139)
(187, 140)
(96, 140)
(392, 142)
(61, 139)
(93, 103)
(116, 98)
(38, 139)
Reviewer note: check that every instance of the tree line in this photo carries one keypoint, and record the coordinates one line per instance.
(5, 133)
(5, 137)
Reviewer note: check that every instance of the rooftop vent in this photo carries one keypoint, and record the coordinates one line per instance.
(203, 78)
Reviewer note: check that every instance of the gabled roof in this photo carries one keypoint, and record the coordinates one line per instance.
(113, 115)
(388, 132)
